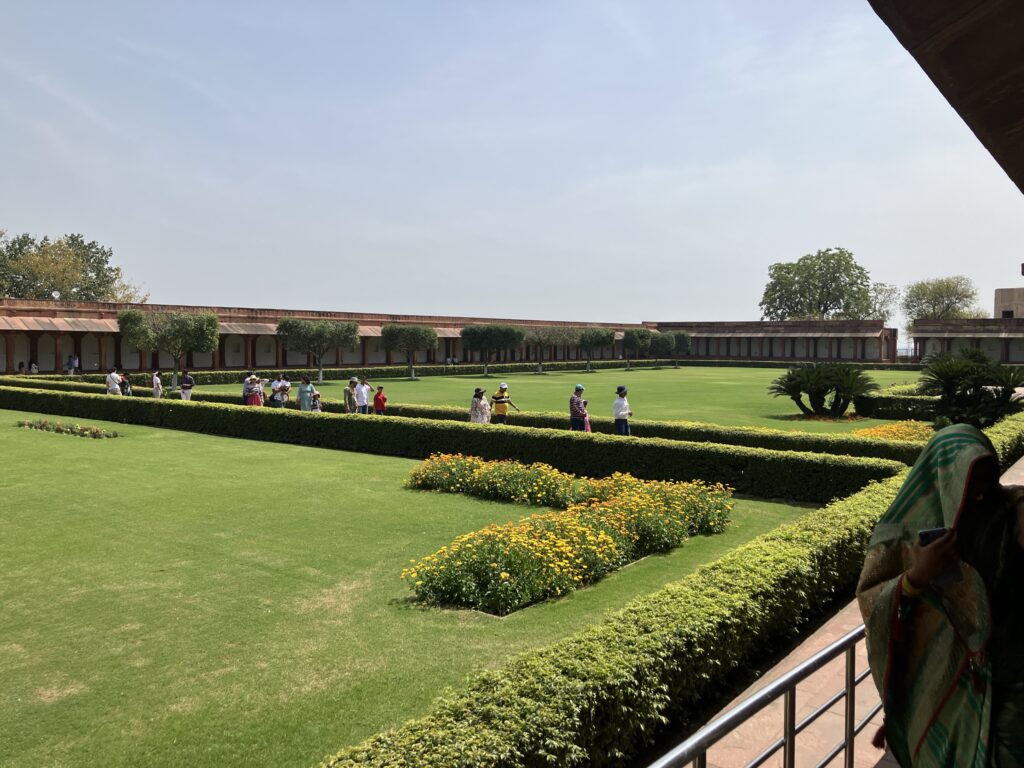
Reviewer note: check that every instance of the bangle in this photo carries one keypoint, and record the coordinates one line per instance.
(908, 587)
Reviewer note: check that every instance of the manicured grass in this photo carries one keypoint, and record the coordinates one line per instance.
(728, 396)
(178, 599)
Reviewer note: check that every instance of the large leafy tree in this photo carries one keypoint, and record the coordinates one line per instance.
(662, 344)
(408, 339)
(595, 338)
(942, 298)
(682, 345)
(68, 268)
(491, 338)
(885, 300)
(541, 337)
(637, 341)
(176, 333)
(318, 337)
(828, 284)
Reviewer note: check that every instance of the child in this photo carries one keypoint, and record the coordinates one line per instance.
(380, 401)
(314, 403)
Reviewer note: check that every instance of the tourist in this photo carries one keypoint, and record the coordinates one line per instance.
(75, 364)
(32, 367)
(500, 402)
(187, 383)
(940, 596)
(276, 401)
(158, 385)
(113, 382)
(479, 408)
(21, 368)
(252, 390)
(621, 412)
(350, 395)
(69, 366)
(315, 405)
(306, 392)
(363, 390)
(125, 384)
(286, 390)
(380, 401)
(578, 410)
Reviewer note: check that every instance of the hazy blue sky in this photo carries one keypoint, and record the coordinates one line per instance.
(592, 160)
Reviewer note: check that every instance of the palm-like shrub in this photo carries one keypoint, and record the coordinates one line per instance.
(971, 388)
(820, 381)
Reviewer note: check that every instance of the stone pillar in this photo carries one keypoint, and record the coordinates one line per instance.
(58, 352)
(218, 351)
(117, 349)
(101, 341)
(250, 362)
(9, 352)
(364, 349)
(1004, 352)
(278, 353)
(33, 349)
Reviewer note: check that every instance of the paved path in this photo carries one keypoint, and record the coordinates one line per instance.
(748, 741)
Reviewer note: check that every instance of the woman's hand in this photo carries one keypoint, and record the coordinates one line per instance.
(933, 559)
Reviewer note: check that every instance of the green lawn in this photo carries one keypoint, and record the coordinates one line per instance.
(178, 599)
(729, 396)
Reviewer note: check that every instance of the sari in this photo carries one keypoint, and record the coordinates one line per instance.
(932, 657)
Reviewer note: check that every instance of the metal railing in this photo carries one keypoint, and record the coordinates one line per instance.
(695, 749)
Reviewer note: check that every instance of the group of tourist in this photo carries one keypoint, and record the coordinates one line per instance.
(358, 395)
(118, 383)
(495, 410)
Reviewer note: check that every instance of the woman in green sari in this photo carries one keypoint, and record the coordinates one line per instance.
(945, 625)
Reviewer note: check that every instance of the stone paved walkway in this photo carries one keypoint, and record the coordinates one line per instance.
(748, 741)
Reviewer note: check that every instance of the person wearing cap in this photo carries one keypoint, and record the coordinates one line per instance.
(621, 412)
(500, 402)
(479, 408)
(363, 390)
(350, 395)
(577, 410)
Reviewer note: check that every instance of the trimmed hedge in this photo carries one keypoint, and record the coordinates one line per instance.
(598, 697)
(899, 407)
(382, 371)
(694, 431)
(755, 471)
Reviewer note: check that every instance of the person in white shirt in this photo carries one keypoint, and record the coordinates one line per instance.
(158, 385)
(113, 382)
(276, 386)
(621, 412)
(363, 392)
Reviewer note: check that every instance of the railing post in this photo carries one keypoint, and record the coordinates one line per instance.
(851, 703)
(701, 760)
(789, 728)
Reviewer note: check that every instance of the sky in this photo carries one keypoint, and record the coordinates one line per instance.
(594, 160)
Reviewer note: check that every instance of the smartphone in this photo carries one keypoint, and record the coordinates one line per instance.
(928, 535)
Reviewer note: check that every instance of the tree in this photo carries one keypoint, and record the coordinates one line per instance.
(944, 298)
(885, 299)
(682, 343)
(176, 333)
(829, 284)
(662, 344)
(491, 338)
(637, 341)
(595, 338)
(69, 268)
(410, 339)
(542, 337)
(317, 337)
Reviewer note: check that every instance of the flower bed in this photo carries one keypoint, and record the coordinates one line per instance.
(603, 525)
(61, 428)
(908, 430)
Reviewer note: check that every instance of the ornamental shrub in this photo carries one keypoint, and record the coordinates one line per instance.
(506, 567)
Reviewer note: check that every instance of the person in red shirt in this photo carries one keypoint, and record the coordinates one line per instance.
(380, 401)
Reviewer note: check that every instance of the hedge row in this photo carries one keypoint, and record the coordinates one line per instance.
(900, 407)
(599, 696)
(382, 371)
(752, 437)
(755, 471)
(477, 369)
